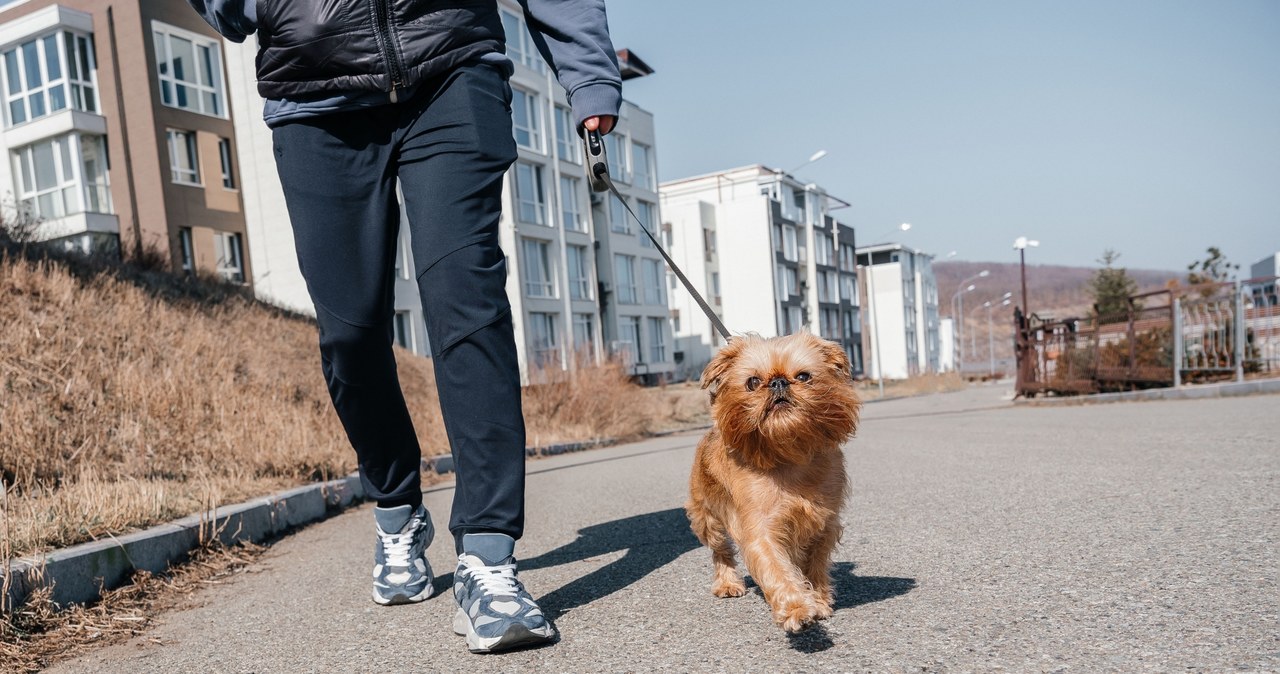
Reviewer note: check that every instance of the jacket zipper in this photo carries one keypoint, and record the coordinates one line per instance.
(382, 23)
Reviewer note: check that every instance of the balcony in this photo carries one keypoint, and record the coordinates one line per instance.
(56, 124)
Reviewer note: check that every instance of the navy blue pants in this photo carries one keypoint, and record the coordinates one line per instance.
(449, 145)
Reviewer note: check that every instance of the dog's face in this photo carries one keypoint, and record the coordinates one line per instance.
(779, 400)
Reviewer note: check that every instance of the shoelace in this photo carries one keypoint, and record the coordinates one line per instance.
(499, 580)
(396, 547)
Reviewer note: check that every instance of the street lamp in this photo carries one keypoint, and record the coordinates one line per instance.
(1020, 244)
(959, 313)
(812, 158)
(871, 297)
(991, 344)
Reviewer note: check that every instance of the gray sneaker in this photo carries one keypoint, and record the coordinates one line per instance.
(401, 574)
(495, 612)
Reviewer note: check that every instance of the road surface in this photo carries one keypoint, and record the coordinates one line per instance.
(979, 537)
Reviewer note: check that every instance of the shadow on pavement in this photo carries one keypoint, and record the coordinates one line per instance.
(851, 591)
(651, 541)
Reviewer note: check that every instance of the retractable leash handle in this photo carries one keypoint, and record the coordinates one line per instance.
(598, 174)
(597, 162)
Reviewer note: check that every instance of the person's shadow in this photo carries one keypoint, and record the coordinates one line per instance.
(652, 541)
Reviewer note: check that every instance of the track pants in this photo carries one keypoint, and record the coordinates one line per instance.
(449, 146)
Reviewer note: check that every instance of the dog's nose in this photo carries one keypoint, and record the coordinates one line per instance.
(777, 384)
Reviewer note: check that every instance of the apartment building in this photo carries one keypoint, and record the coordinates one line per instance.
(902, 326)
(743, 237)
(118, 132)
(580, 278)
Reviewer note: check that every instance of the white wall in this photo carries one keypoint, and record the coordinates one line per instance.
(746, 279)
(888, 340)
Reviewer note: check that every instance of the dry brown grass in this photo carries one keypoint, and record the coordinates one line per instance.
(129, 397)
(923, 384)
(39, 633)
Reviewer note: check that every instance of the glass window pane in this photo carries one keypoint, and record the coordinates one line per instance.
(17, 111)
(83, 48)
(69, 44)
(183, 101)
(36, 101)
(210, 102)
(31, 65)
(11, 71)
(64, 147)
(52, 58)
(46, 172)
(57, 97)
(24, 158)
(183, 59)
(166, 92)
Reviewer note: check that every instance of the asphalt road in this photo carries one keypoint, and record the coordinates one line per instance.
(979, 537)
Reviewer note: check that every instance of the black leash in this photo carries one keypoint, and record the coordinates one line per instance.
(598, 173)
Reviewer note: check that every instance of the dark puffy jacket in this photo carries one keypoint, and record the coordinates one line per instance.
(347, 46)
(360, 45)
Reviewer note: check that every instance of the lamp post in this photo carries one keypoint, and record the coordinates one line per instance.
(959, 313)
(991, 348)
(871, 297)
(1020, 244)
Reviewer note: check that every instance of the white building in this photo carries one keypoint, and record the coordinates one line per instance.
(946, 345)
(902, 326)
(582, 283)
(743, 238)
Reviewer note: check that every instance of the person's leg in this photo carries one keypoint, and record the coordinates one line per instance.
(456, 147)
(339, 186)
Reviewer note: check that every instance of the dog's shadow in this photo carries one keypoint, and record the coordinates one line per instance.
(851, 591)
(653, 540)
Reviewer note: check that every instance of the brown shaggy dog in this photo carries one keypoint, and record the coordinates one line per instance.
(770, 475)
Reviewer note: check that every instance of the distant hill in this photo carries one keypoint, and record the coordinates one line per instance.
(1052, 290)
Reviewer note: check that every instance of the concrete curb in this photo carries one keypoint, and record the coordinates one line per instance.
(82, 572)
(1197, 392)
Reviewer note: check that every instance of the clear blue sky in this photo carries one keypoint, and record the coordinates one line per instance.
(1151, 127)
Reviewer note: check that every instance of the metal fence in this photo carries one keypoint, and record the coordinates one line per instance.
(1162, 338)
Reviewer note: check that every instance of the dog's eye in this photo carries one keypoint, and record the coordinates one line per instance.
(753, 383)
(803, 376)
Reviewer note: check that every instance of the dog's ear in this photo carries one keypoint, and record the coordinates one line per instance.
(720, 364)
(835, 357)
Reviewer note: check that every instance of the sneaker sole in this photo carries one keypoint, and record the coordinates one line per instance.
(516, 636)
(399, 599)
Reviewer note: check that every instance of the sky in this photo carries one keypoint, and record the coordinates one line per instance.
(1148, 127)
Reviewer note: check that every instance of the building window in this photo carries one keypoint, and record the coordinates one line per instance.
(571, 205)
(525, 117)
(849, 289)
(645, 211)
(788, 281)
(827, 287)
(230, 256)
(190, 69)
(789, 246)
(579, 273)
(822, 248)
(567, 148)
(653, 293)
(624, 274)
(404, 329)
(187, 251)
(642, 166)
(795, 320)
(618, 221)
(228, 172)
(402, 259)
(584, 333)
(715, 286)
(657, 342)
(629, 340)
(537, 269)
(48, 74)
(542, 334)
(62, 176)
(184, 159)
(614, 148)
(848, 259)
(530, 197)
(520, 46)
(708, 243)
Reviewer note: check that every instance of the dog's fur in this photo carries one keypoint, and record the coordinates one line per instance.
(770, 475)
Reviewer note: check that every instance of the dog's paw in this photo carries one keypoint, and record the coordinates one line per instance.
(796, 616)
(824, 609)
(728, 587)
